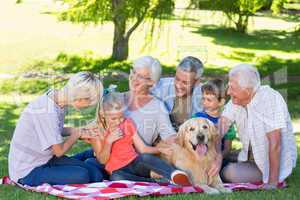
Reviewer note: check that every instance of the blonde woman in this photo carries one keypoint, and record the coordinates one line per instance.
(37, 149)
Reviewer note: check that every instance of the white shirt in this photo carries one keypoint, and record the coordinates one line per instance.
(165, 91)
(39, 127)
(266, 112)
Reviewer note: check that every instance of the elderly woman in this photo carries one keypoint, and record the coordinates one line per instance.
(37, 148)
(182, 94)
(264, 127)
(149, 113)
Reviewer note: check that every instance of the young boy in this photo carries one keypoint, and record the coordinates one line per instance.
(213, 99)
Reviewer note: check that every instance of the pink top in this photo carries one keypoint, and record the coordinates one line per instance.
(122, 150)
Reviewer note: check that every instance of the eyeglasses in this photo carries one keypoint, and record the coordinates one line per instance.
(138, 76)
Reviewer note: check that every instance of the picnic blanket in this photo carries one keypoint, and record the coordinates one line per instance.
(117, 189)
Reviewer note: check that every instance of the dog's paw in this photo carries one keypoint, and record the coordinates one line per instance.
(209, 190)
(212, 191)
(225, 190)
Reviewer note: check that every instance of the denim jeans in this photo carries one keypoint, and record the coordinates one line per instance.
(139, 169)
(62, 170)
(88, 157)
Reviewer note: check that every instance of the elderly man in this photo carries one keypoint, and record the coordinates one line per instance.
(182, 94)
(264, 126)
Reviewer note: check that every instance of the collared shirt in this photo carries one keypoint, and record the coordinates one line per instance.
(266, 112)
(165, 90)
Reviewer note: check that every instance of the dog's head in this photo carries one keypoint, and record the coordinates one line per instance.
(197, 135)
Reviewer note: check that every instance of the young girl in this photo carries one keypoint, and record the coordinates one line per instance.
(123, 152)
(213, 99)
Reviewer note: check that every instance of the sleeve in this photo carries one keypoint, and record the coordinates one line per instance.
(229, 111)
(164, 125)
(47, 128)
(129, 127)
(274, 113)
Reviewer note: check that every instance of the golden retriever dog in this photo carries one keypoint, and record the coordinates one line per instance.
(194, 151)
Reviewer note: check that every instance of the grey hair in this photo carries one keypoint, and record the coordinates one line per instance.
(150, 63)
(192, 64)
(84, 85)
(248, 76)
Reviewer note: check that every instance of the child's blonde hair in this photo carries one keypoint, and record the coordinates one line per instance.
(111, 102)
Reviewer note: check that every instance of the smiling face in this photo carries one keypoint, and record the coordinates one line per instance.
(140, 81)
(239, 95)
(184, 82)
(197, 135)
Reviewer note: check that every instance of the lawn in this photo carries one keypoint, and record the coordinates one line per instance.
(28, 43)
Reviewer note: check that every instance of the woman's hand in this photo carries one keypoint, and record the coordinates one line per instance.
(89, 133)
(168, 151)
(114, 136)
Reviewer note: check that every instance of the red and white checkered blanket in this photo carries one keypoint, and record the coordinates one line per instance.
(117, 189)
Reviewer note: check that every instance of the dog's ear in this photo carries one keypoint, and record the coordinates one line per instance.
(213, 132)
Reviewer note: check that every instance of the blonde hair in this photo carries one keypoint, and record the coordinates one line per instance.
(111, 103)
(84, 85)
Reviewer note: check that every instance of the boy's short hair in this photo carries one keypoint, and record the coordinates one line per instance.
(215, 87)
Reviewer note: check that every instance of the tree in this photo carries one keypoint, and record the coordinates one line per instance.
(236, 11)
(126, 16)
(277, 6)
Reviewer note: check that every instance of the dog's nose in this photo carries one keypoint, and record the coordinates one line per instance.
(200, 138)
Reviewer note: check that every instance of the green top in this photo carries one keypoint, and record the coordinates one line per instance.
(231, 133)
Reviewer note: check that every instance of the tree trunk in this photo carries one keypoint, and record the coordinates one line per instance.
(120, 43)
(242, 24)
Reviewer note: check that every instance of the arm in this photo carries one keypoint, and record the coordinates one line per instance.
(141, 147)
(60, 149)
(67, 131)
(274, 139)
(103, 147)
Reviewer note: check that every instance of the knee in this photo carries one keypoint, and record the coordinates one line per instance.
(228, 173)
(146, 156)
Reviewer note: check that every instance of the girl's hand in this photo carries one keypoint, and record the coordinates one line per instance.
(114, 136)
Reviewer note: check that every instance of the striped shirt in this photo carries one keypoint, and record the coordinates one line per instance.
(266, 112)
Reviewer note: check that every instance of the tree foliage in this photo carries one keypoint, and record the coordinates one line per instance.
(126, 16)
(277, 6)
(236, 11)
